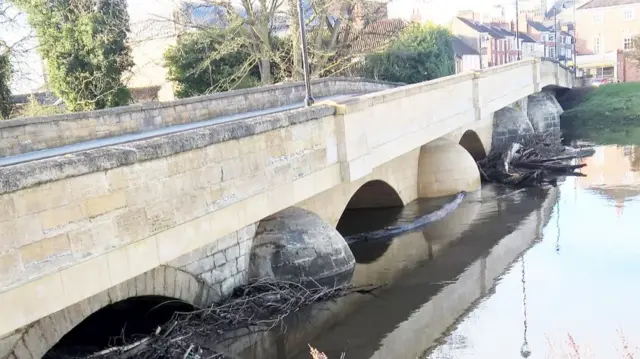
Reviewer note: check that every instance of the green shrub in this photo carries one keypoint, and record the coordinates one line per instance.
(421, 53)
(84, 45)
(203, 62)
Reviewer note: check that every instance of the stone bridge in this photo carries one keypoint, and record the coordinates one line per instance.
(192, 214)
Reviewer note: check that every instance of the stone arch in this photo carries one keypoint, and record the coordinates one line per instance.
(473, 144)
(39, 337)
(384, 202)
(374, 194)
(399, 174)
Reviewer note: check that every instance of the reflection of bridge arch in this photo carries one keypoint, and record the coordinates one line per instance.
(154, 287)
(410, 249)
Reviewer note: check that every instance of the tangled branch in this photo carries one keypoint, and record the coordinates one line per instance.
(257, 307)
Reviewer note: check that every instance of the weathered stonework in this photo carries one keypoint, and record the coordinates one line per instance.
(297, 245)
(509, 126)
(544, 112)
(35, 340)
(31, 134)
(223, 263)
(75, 225)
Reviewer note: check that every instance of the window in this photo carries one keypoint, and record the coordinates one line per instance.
(552, 37)
(543, 37)
(628, 42)
(628, 14)
(484, 39)
(597, 19)
(596, 46)
(552, 52)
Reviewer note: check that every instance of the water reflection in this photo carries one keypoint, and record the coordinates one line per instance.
(582, 298)
(462, 288)
(435, 275)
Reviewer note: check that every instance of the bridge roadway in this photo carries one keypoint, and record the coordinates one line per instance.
(118, 140)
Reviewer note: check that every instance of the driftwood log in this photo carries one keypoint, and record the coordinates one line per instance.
(532, 164)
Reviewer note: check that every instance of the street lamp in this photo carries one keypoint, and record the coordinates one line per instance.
(517, 31)
(555, 29)
(308, 100)
(575, 39)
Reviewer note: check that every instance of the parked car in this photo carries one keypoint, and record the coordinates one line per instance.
(601, 81)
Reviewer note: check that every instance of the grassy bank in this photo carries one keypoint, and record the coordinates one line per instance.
(609, 114)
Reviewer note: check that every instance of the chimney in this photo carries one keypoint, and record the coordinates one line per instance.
(513, 26)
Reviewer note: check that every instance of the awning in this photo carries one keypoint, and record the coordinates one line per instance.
(596, 64)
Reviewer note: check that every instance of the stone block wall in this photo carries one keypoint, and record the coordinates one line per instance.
(509, 126)
(75, 225)
(31, 134)
(222, 264)
(544, 113)
(537, 116)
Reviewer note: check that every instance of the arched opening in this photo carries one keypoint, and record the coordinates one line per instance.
(374, 206)
(472, 143)
(375, 194)
(117, 324)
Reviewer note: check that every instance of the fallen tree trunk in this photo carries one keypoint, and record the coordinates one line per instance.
(534, 164)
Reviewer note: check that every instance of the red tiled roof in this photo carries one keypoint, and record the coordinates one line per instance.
(376, 36)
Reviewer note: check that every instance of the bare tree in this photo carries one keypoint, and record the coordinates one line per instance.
(338, 31)
(19, 41)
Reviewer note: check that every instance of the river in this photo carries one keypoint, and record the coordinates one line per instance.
(510, 273)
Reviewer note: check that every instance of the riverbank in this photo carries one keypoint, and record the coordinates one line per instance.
(607, 114)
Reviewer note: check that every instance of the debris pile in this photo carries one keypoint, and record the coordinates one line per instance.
(535, 164)
(257, 307)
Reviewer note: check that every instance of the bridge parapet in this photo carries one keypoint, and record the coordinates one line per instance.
(377, 127)
(37, 133)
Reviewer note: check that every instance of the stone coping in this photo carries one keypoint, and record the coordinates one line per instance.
(367, 100)
(159, 105)
(29, 174)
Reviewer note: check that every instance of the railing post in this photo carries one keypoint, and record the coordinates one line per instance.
(536, 74)
(477, 106)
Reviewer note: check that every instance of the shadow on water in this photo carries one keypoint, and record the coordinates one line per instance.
(427, 296)
(430, 277)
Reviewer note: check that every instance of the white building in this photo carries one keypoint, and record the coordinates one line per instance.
(466, 58)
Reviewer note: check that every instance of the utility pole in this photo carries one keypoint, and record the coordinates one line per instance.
(518, 30)
(308, 101)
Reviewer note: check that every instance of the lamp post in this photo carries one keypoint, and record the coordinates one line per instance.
(575, 40)
(555, 28)
(517, 30)
(308, 100)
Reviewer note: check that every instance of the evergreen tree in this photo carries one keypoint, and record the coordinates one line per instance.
(84, 45)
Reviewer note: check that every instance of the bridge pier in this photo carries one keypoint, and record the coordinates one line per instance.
(295, 244)
(510, 125)
(446, 168)
(537, 115)
(544, 112)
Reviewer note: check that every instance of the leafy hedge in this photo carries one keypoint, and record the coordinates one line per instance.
(421, 53)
